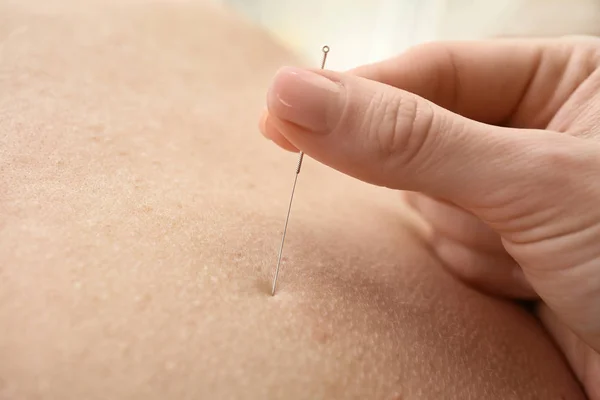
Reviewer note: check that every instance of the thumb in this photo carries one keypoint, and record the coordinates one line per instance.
(390, 137)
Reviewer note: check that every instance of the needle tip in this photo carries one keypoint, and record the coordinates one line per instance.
(275, 281)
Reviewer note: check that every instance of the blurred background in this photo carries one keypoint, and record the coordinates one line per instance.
(361, 31)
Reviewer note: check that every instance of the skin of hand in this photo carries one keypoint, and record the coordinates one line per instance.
(497, 144)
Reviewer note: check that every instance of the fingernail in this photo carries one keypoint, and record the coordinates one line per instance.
(306, 99)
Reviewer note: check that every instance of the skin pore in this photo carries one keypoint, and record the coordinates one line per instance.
(140, 214)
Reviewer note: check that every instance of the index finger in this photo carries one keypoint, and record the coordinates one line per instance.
(520, 83)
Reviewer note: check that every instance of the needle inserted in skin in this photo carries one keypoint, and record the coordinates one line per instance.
(287, 218)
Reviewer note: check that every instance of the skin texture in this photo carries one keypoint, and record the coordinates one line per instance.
(139, 221)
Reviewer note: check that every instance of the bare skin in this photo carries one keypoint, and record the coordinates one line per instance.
(140, 218)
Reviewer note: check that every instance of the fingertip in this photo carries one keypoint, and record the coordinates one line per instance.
(285, 144)
(271, 131)
(263, 121)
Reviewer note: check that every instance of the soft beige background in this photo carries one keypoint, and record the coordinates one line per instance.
(363, 31)
(474, 19)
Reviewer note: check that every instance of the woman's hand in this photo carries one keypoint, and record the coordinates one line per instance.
(499, 144)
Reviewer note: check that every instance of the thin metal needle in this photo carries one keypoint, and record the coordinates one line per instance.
(287, 218)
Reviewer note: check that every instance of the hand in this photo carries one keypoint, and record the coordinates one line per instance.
(500, 144)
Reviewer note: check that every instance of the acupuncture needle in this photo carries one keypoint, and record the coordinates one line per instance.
(325, 50)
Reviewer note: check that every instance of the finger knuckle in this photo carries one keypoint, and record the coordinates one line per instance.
(401, 127)
(390, 120)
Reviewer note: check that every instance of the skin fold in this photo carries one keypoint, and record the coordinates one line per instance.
(140, 215)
